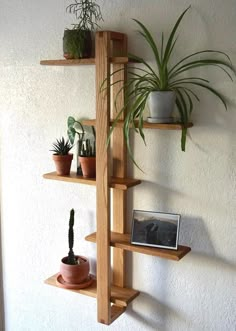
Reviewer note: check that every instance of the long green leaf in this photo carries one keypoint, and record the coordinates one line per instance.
(182, 80)
(201, 63)
(211, 90)
(147, 35)
(184, 107)
(172, 35)
(137, 58)
(200, 52)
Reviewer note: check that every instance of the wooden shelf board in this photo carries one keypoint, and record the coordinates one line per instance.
(122, 241)
(119, 296)
(72, 178)
(146, 125)
(64, 62)
(116, 311)
(117, 183)
(89, 61)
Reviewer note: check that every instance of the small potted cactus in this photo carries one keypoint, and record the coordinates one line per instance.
(61, 156)
(74, 269)
(87, 158)
(86, 148)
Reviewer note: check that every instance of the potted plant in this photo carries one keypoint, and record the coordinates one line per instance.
(167, 81)
(86, 148)
(74, 269)
(87, 158)
(62, 157)
(77, 42)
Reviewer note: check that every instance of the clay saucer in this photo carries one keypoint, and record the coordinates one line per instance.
(61, 283)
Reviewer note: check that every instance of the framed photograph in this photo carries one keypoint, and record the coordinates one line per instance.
(155, 229)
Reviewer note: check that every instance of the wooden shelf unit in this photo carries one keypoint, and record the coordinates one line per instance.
(146, 125)
(109, 288)
(116, 183)
(90, 61)
(120, 240)
(120, 296)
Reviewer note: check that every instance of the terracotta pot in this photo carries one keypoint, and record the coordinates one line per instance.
(75, 274)
(63, 163)
(88, 165)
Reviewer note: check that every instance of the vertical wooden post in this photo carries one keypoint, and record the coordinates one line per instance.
(119, 154)
(102, 178)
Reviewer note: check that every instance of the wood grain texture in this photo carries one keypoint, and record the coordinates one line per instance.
(119, 296)
(119, 157)
(63, 62)
(146, 125)
(118, 183)
(116, 311)
(102, 178)
(123, 241)
(79, 62)
(72, 178)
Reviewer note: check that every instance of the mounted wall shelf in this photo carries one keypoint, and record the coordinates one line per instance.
(117, 183)
(119, 295)
(112, 296)
(146, 125)
(120, 240)
(90, 61)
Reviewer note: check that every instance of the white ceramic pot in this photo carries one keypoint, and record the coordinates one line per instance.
(161, 106)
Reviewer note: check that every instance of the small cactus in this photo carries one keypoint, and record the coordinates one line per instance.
(87, 148)
(71, 256)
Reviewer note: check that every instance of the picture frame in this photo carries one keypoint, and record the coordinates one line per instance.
(155, 229)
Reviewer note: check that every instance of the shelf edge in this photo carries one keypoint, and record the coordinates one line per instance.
(123, 242)
(91, 291)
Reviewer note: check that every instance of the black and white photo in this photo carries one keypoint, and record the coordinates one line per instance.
(155, 229)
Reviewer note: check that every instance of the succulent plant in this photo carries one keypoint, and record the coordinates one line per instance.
(61, 147)
(87, 12)
(71, 256)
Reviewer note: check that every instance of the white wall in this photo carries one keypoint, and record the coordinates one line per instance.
(195, 294)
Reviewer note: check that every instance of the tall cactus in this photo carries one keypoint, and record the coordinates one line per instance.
(71, 256)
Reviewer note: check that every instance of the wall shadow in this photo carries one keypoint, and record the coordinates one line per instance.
(159, 324)
(193, 233)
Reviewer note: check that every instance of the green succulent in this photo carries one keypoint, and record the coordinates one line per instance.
(61, 146)
(87, 12)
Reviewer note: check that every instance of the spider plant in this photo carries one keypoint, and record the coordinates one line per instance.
(166, 77)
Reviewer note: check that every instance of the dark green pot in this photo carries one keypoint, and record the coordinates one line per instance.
(77, 44)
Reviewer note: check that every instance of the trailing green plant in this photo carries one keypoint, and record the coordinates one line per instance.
(73, 128)
(61, 146)
(165, 77)
(86, 147)
(87, 12)
(71, 259)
